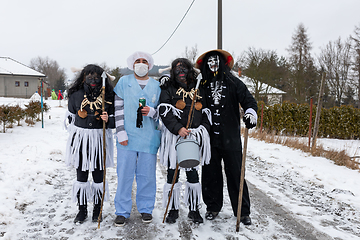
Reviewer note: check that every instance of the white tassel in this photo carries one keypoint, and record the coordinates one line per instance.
(93, 138)
(192, 195)
(208, 114)
(201, 135)
(169, 107)
(85, 192)
(97, 191)
(167, 151)
(66, 119)
(175, 196)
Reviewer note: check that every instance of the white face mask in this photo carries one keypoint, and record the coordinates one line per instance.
(141, 69)
(213, 63)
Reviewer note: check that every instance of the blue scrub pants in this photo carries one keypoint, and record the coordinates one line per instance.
(143, 167)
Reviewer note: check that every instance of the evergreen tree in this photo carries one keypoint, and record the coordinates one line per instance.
(116, 72)
(303, 79)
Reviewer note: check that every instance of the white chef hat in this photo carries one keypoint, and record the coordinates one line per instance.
(137, 55)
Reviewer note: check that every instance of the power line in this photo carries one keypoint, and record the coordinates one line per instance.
(175, 28)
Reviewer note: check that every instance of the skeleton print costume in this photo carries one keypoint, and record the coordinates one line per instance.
(224, 93)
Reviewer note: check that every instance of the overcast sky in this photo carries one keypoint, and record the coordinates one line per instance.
(79, 32)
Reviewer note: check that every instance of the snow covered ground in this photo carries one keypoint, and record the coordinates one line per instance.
(36, 184)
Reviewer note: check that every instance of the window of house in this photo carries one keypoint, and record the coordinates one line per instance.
(26, 84)
(17, 84)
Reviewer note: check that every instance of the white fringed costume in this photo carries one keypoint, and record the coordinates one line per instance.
(79, 142)
(88, 192)
(93, 138)
(167, 151)
(167, 154)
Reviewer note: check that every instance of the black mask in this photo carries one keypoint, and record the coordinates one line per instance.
(92, 85)
(181, 73)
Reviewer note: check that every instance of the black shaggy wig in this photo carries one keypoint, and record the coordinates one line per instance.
(191, 76)
(208, 75)
(91, 69)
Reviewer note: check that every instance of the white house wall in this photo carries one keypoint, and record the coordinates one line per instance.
(8, 88)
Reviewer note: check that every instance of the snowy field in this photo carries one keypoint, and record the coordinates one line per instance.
(36, 184)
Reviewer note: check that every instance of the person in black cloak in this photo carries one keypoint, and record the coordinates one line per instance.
(224, 92)
(174, 108)
(84, 150)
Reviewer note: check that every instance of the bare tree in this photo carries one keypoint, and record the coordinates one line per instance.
(55, 75)
(262, 67)
(356, 60)
(191, 54)
(240, 61)
(335, 59)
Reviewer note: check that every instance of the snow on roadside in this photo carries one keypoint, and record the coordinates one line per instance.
(36, 184)
(313, 188)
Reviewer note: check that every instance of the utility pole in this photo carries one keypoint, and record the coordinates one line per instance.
(219, 36)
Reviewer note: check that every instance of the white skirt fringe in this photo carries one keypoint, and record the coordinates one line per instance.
(167, 151)
(88, 142)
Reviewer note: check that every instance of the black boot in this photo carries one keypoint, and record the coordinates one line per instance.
(96, 213)
(246, 220)
(195, 216)
(172, 216)
(82, 214)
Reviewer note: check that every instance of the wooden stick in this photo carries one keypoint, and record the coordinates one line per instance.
(242, 179)
(104, 157)
(177, 165)
(171, 190)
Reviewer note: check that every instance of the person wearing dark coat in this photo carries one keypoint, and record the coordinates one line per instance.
(176, 97)
(224, 93)
(84, 149)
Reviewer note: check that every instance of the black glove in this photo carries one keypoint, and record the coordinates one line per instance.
(249, 120)
(139, 118)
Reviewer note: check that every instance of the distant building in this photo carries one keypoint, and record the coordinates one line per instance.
(17, 79)
(268, 94)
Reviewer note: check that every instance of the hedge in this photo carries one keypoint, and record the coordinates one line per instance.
(293, 119)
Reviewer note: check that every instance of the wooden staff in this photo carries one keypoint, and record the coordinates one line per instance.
(103, 75)
(187, 126)
(242, 179)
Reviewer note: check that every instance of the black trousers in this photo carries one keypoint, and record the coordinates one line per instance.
(212, 181)
(97, 174)
(191, 176)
